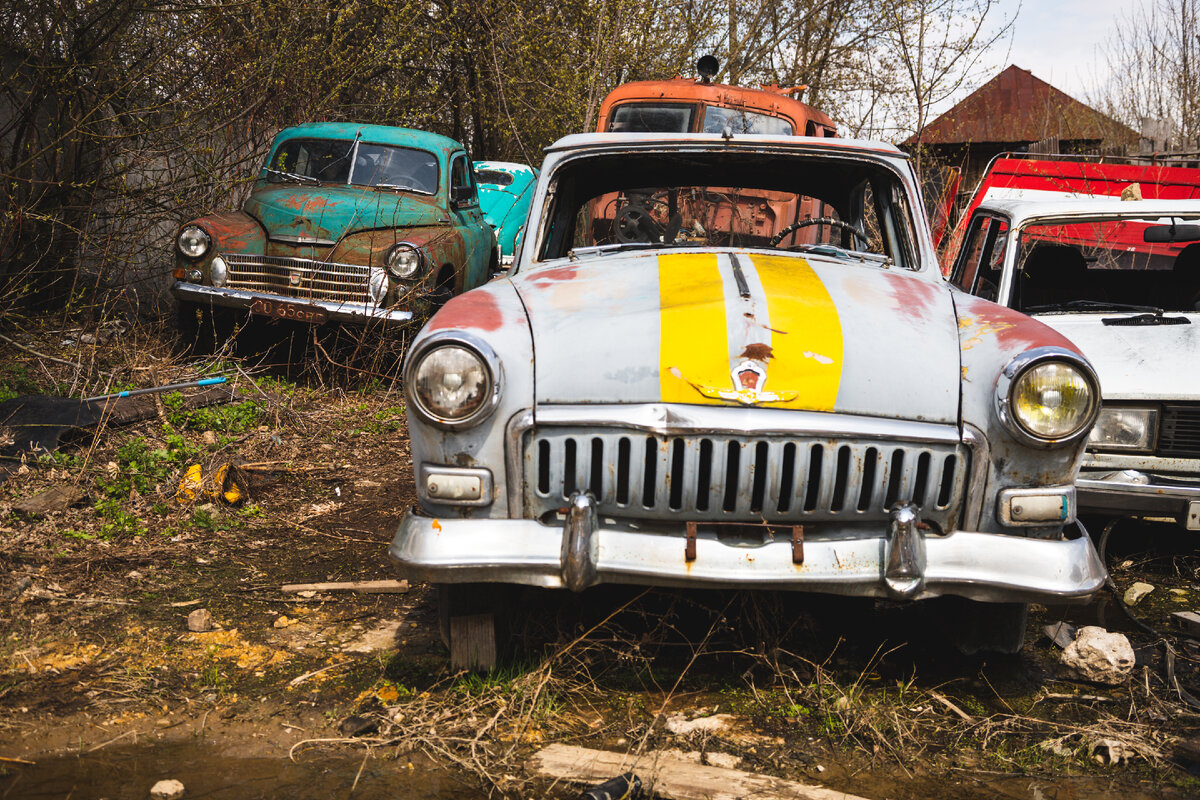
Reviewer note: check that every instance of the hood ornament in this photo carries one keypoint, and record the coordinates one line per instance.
(748, 378)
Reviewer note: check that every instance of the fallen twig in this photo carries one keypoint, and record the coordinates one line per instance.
(369, 587)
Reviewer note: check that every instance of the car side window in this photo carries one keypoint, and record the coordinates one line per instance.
(981, 260)
(460, 176)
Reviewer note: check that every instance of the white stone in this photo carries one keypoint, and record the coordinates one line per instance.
(1135, 593)
(200, 620)
(209, 438)
(1099, 656)
(167, 790)
(681, 726)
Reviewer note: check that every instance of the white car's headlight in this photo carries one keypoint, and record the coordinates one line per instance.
(377, 285)
(1047, 400)
(452, 384)
(1125, 429)
(193, 241)
(404, 261)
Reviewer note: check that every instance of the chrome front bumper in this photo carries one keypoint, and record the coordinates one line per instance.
(1139, 493)
(905, 563)
(360, 313)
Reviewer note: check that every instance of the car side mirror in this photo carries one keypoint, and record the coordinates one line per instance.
(461, 196)
(1171, 233)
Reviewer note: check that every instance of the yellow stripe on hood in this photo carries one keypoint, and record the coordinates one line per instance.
(692, 342)
(806, 333)
(804, 365)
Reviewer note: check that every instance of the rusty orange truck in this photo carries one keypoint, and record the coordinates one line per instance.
(687, 105)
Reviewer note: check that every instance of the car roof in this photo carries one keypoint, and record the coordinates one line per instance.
(600, 141)
(1022, 210)
(376, 134)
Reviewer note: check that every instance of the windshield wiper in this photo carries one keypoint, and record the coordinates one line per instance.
(601, 249)
(841, 252)
(292, 176)
(399, 187)
(1098, 305)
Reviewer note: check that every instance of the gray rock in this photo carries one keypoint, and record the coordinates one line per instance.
(200, 620)
(1099, 656)
(167, 790)
(1135, 593)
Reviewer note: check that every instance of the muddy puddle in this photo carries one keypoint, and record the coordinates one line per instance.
(209, 771)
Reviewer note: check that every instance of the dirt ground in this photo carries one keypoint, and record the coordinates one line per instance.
(104, 689)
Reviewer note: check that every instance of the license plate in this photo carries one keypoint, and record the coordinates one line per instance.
(281, 309)
(1193, 517)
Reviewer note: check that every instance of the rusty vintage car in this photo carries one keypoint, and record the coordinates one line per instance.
(345, 222)
(711, 406)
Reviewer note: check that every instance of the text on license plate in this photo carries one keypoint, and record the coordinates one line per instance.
(299, 312)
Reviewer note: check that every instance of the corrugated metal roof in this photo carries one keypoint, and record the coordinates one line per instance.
(1016, 106)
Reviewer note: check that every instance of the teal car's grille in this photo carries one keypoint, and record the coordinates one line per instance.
(302, 278)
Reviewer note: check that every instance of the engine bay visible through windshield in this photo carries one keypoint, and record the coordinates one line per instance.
(841, 207)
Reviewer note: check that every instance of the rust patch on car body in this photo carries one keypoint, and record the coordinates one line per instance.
(758, 351)
(477, 310)
(979, 319)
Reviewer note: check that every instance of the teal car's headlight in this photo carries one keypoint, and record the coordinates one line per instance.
(1047, 397)
(404, 261)
(1127, 429)
(193, 241)
(454, 380)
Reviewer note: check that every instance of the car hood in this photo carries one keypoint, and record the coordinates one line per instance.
(1136, 362)
(331, 212)
(734, 328)
(495, 204)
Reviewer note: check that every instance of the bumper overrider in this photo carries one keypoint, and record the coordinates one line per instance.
(239, 298)
(906, 562)
(1138, 493)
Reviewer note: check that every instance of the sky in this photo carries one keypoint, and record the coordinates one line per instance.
(1062, 42)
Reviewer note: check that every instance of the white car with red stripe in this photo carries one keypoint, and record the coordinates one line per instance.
(675, 388)
(1121, 279)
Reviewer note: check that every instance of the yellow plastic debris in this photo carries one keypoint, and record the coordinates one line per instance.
(221, 484)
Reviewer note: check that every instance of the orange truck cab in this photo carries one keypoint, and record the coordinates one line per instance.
(685, 105)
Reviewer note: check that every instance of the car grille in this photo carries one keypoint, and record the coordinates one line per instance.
(301, 278)
(1179, 431)
(739, 478)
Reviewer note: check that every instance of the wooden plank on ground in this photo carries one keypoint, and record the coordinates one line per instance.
(671, 777)
(369, 587)
(56, 498)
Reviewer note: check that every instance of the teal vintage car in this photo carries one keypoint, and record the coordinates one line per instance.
(345, 222)
(505, 191)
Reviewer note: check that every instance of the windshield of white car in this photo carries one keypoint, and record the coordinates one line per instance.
(361, 164)
(837, 207)
(1103, 264)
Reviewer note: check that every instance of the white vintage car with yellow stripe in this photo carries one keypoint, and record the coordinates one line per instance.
(732, 361)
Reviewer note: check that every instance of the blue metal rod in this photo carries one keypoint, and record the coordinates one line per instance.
(154, 389)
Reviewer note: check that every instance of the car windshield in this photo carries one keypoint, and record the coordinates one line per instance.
(652, 118)
(359, 163)
(742, 121)
(493, 177)
(1101, 265)
(838, 206)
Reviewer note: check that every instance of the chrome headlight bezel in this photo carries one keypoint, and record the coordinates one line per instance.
(197, 234)
(478, 347)
(404, 262)
(1150, 415)
(1018, 366)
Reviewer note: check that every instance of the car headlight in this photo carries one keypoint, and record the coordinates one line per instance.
(452, 384)
(218, 271)
(193, 241)
(403, 261)
(377, 285)
(1126, 429)
(1046, 399)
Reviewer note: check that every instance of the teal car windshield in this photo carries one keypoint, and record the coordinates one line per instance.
(340, 161)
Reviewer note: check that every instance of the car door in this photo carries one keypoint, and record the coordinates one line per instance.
(478, 239)
(979, 266)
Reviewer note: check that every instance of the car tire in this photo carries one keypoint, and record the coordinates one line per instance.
(978, 627)
(473, 620)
